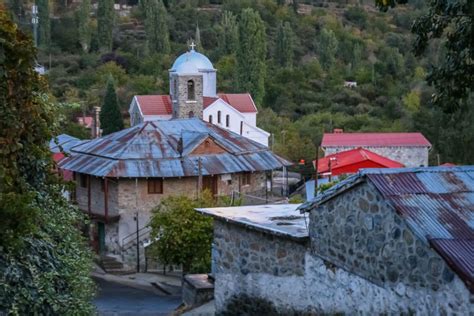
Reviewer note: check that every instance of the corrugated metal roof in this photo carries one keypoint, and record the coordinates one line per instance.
(374, 139)
(437, 204)
(150, 149)
(65, 141)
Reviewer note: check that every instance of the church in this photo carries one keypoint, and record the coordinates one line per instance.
(193, 94)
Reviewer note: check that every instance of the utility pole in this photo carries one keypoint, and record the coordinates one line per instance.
(35, 21)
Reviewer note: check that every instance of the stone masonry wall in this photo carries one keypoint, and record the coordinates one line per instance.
(126, 198)
(409, 156)
(241, 250)
(361, 233)
(181, 105)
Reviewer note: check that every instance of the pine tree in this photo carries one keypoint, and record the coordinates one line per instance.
(44, 28)
(285, 45)
(251, 53)
(105, 24)
(84, 29)
(110, 117)
(327, 47)
(197, 40)
(156, 26)
(229, 34)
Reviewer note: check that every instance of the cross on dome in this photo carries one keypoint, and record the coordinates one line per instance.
(192, 45)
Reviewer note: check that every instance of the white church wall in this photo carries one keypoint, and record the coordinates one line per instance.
(234, 116)
(209, 83)
(250, 118)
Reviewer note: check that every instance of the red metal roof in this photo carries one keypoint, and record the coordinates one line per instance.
(155, 104)
(242, 102)
(350, 161)
(374, 139)
(161, 104)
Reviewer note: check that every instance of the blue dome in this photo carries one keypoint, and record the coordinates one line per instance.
(200, 61)
(186, 67)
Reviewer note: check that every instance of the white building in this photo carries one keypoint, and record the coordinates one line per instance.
(234, 112)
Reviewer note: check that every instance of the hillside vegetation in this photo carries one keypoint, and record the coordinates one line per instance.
(309, 50)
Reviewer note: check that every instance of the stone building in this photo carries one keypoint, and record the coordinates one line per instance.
(384, 241)
(410, 149)
(193, 93)
(122, 176)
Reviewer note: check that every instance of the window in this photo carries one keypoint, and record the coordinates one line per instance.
(210, 119)
(241, 127)
(191, 95)
(227, 120)
(175, 86)
(246, 177)
(155, 186)
(191, 114)
(83, 180)
(218, 117)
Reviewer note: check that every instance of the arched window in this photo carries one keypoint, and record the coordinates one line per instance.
(218, 117)
(175, 87)
(227, 120)
(191, 114)
(210, 119)
(191, 95)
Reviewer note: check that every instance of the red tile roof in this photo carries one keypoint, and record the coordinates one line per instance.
(351, 161)
(374, 139)
(161, 104)
(155, 104)
(85, 121)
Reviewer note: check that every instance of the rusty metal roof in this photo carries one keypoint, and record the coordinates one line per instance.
(437, 204)
(64, 141)
(150, 149)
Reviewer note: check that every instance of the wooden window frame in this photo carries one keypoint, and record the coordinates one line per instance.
(246, 178)
(155, 186)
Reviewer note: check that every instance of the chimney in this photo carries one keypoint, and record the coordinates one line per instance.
(96, 132)
(338, 131)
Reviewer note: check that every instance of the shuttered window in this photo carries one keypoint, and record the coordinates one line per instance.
(155, 186)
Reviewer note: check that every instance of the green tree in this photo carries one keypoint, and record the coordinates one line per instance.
(285, 45)
(44, 25)
(110, 117)
(105, 24)
(228, 34)
(44, 263)
(327, 47)
(156, 26)
(183, 236)
(197, 38)
(251, 54)
(452, 21)
(83, 21)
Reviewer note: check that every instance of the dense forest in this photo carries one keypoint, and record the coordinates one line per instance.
(295, 57)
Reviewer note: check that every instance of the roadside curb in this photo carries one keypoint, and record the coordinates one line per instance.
(127, 282)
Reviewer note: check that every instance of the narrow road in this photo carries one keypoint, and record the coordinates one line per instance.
(116, 299)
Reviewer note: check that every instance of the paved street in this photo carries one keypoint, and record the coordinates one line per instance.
(117, 299)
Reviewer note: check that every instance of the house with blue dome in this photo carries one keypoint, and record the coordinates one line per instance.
(193, 93)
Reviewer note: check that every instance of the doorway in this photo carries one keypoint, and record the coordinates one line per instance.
(210, 183)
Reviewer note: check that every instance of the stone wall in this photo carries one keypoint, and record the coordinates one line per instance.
(181, 105)
(127, 197)
(362, 258)
(241, 250)
(409, 156)
(361, 233)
